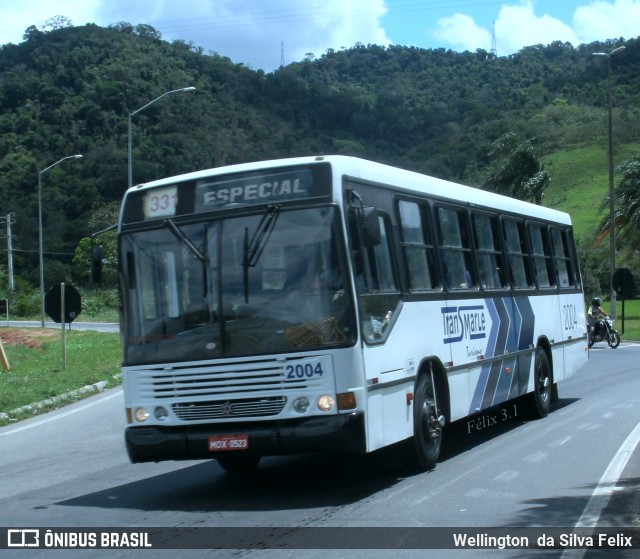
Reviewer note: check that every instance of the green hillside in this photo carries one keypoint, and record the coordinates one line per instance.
(580, 182)
(71, 90)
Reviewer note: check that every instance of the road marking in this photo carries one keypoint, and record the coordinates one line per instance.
(606, 486)
(537, 457)
(506, 476)
(59, 415)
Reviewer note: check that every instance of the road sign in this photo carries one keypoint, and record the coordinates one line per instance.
(72, 303)
(624, 283)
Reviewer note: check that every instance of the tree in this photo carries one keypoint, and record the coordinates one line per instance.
(57, 22)
(518, 172)
(96, 257)
(627, 200)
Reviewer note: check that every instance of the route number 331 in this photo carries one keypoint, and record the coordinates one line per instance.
(160, 203)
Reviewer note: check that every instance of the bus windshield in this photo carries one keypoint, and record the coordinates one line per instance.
(265, 283)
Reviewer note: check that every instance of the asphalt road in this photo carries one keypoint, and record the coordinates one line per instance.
(76, 325)
(69, 468)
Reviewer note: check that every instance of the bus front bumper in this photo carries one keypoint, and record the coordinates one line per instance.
(342, 433)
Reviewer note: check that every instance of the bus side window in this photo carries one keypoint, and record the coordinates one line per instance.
(517, 254)
(455, 249)
(541, 254)
(380, 276)
(562, 258)
(487, 251)
(417, 247)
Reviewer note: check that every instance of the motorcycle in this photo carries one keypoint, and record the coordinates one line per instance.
(604, 330)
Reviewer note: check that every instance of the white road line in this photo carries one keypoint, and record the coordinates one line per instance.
(602, 493)
(57, 416)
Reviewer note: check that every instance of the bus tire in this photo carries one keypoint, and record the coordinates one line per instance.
(427, 429)
(540, 398)
(238, 463)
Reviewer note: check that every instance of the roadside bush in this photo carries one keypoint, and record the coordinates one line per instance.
(26, 304)
(100, 304)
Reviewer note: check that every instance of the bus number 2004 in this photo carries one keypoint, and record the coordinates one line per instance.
(306, 370)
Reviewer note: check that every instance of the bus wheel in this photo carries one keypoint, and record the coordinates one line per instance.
(540, 398)
(238, 463)
(427, 425)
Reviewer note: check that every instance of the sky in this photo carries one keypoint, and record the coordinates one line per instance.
(264, 33)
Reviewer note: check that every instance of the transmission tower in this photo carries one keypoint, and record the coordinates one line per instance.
(494, 49)
(281, 54)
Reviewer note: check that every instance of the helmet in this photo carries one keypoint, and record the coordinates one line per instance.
(596, 302)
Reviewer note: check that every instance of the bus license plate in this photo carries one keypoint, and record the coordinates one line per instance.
(223, 443)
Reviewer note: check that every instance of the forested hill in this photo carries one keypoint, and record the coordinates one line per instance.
(70, 91)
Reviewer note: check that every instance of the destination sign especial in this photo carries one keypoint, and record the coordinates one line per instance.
(244, 191)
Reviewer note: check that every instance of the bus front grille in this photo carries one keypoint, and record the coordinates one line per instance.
(221, 381)
(250, 407)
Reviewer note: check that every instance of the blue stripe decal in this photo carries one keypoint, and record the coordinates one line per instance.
(493, 334)
(525, 341)
(489, 373)
(512, 329)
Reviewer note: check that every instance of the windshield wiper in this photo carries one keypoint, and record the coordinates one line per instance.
(253, 249)
(185, 241)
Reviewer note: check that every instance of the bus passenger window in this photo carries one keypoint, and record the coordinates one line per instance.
(562, 258)
(455, 249)
(517, 257)
(417, 247)
(541, 254)
(487, 250)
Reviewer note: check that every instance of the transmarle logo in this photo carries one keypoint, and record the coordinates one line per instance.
(464, 323)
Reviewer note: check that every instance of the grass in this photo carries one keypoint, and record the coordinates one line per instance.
(631, 319)
(580, 182)
(36, 373)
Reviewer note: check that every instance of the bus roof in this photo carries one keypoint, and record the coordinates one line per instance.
(399, 179)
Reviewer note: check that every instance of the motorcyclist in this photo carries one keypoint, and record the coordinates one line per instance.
(594, 312)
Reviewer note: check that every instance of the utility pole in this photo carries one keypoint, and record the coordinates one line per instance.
(9, 220)
(612, 212)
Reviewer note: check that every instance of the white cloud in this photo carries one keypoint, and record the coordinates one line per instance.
(518, 27)
(462, 32)
(247, 31)
(252, 31)
(601, 20)
(16, 17)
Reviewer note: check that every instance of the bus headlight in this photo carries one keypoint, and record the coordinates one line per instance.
(326, 403)
(301, 404)
(141, 414)
(161, 413)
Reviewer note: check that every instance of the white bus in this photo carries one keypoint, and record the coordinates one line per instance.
(331, 303)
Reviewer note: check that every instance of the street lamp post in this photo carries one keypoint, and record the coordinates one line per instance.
(129, 150)
(41, 245)
(612, 216)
